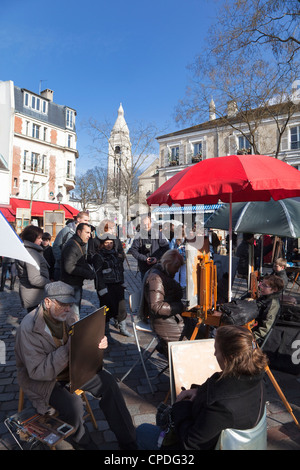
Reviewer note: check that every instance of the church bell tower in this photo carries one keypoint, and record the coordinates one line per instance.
(119, 158)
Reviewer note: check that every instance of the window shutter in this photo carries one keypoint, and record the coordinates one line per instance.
(166, 156)
(181, 155)
(204, 147)
(284, 144)
(232, 145)
(189, 152)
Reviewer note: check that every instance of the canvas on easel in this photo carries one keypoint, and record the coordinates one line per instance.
(85, 357)
(192, 276)
(191, 362)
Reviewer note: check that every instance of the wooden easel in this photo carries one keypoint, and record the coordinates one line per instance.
(207, 295)
(254, 284)
(277, 249)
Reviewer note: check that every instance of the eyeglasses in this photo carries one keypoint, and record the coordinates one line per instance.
(264, 285)
(62, 305)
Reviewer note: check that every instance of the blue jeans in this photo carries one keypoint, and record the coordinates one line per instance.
(147, 436)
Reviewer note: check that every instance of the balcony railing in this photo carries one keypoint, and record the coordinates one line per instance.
(69, 176)
(35, 169)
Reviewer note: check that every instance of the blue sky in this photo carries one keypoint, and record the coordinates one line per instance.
(95, 54)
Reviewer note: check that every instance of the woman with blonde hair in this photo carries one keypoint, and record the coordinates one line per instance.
(233, 398)
(162, 300)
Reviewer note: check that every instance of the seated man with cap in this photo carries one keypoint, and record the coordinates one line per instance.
(42, 356)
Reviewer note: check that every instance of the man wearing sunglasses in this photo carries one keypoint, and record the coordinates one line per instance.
(42, 360)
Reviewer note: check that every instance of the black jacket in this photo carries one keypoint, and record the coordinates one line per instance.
(108, 267)
(49, 257)
(143, 248)
(242, 253)
(230, 402)
(74, 266)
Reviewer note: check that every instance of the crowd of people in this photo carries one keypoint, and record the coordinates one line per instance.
(52, 295)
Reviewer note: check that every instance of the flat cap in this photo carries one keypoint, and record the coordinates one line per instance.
(60, 291)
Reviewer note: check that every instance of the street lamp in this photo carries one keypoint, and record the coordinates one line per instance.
(59, 197)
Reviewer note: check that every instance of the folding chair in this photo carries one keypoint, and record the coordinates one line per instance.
(134, 303)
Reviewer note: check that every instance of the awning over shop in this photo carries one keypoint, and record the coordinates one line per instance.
(8, 214)
(186, 209)
(38, 207)
(71, 209)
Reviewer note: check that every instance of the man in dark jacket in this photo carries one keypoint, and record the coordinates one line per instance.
(48, 253)
(63, 237)
(148, 246)
(242, 253)
(74, 266)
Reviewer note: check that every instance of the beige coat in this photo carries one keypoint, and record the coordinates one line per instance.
(32, 279)
(38, 359)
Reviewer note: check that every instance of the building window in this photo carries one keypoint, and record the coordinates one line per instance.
(25, 159)
(15, 182)
(34, 186)
(244, 146)
(174, 156)
(35, 103)
(34, 161)
(35, 131)
(295, 138)
(45, 134)
(43, 164)
(25, 189)
(27, 127)
(69, 141)
(70, 118)
(197, 149)
(69, 169)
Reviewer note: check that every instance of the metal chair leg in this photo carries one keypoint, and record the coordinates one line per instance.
(141, 358)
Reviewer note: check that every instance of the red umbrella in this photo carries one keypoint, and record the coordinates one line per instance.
(245, 177)
(234, 178)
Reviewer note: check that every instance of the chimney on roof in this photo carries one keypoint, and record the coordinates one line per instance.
(232, 108)
(48, 94)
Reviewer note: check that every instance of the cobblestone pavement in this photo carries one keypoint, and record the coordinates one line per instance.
(282, 431)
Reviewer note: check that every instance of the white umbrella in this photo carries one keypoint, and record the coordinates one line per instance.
(11, 245)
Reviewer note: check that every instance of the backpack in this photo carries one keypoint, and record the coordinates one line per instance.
(238, 312)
